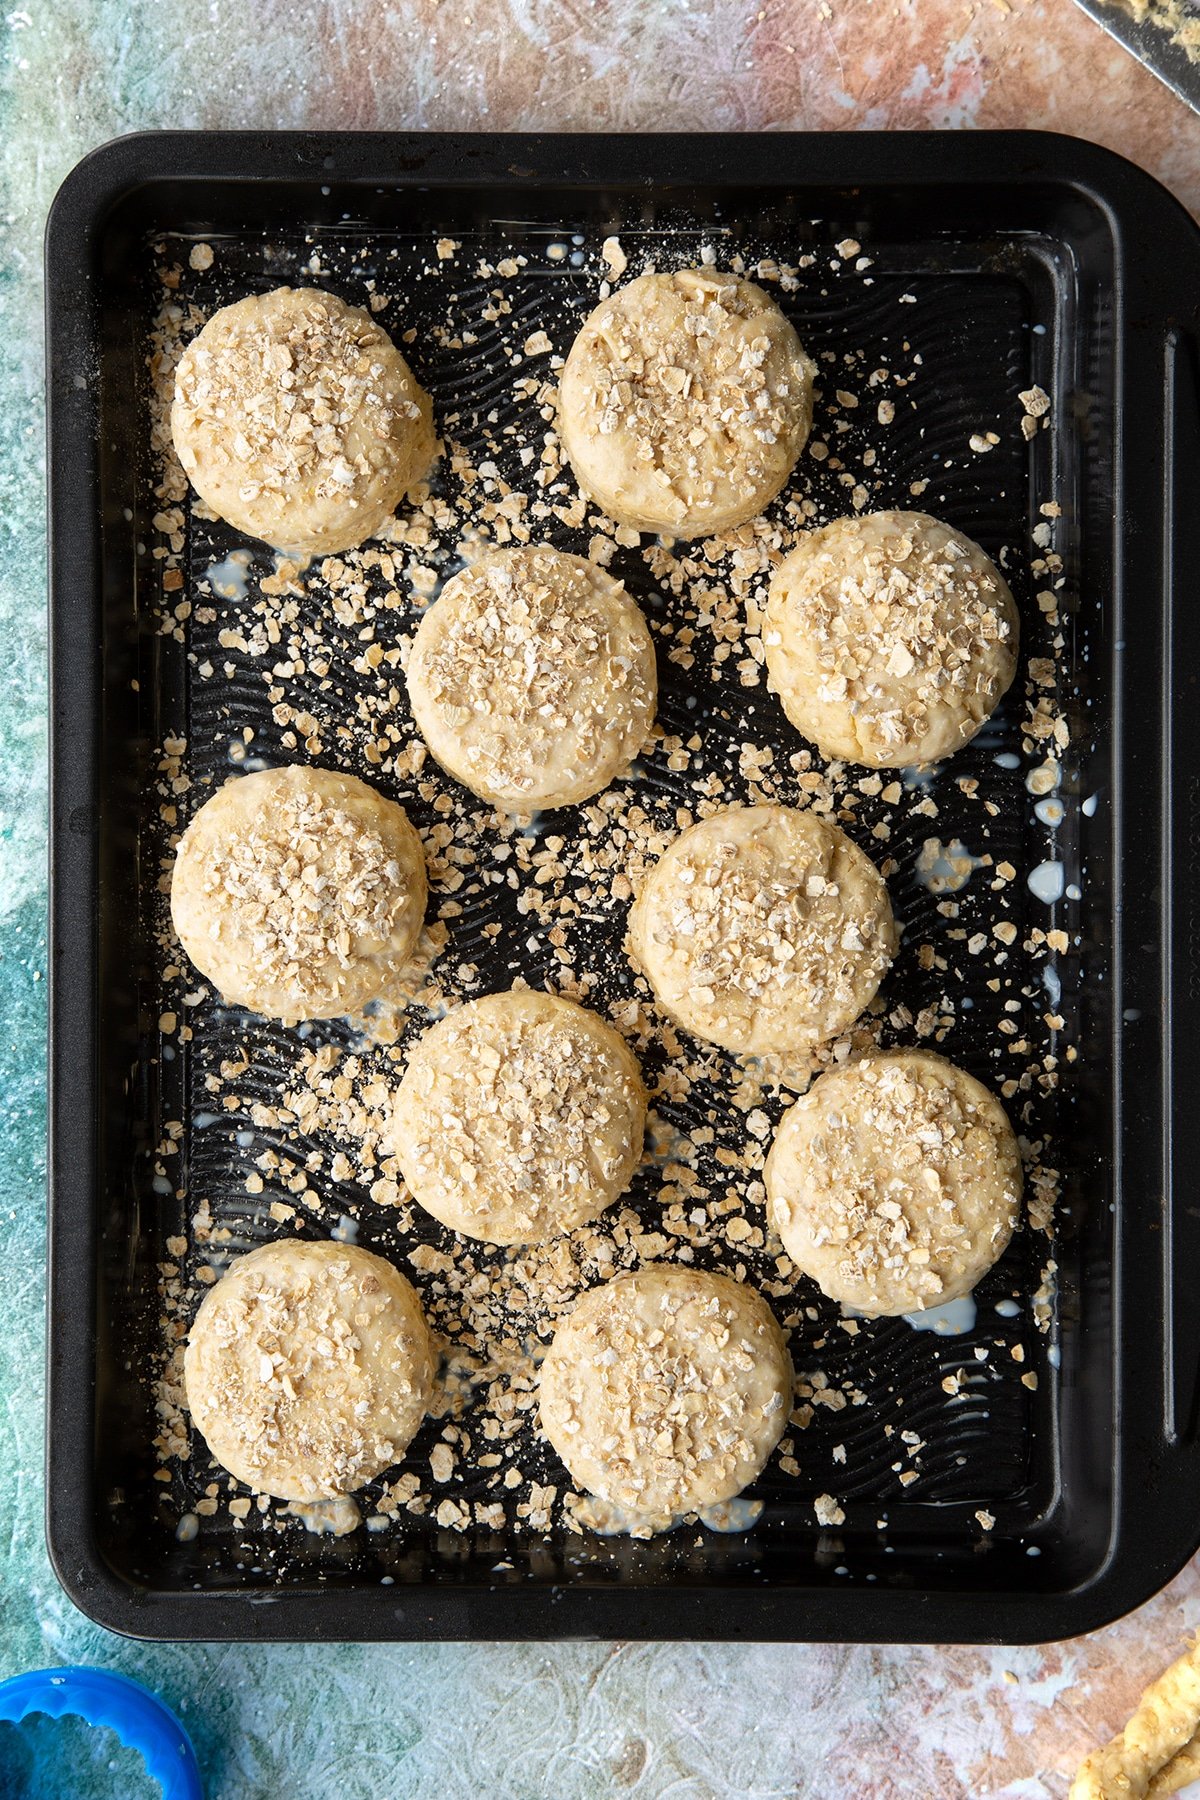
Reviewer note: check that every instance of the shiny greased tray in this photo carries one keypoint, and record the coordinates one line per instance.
(978, 1476)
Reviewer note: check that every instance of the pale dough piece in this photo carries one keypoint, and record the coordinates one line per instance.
(764, 929)
(1156, 1753)
(666, 1391)
(298, 421)
(1179, 1772)
(309, 1368)
(520, 1116)
(532, 678)
(684, 402)
(299, 893)
(890, 639)
(895, 1182)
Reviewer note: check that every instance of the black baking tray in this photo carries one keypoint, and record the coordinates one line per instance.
(1031, 257)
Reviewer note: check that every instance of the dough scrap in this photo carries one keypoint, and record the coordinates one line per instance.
(1159, 1750)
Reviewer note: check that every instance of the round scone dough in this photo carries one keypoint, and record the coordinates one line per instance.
(299, 893)
(532, 678)
(309, 1368)
(520, 1116)
(297, 420)
(666, 1390)
(895, 1182)
(684, 402)
(764, 929)
(890, 638)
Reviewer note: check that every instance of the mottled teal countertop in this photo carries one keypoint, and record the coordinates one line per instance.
(369, 1723)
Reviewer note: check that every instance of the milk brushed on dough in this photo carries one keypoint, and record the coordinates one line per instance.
(298, 421)
(895, 1182)
(532, 678)
(666, 1390)
(684, 402)
(299, 893)
(890, 638)
(520, 1116)
(309, 1368)
(764, 929)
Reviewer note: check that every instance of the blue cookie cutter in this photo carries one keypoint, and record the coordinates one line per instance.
(139, 1718)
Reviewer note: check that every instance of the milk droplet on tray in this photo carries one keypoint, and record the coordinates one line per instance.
(950, 1320)
(1047, 882)
(228, 578)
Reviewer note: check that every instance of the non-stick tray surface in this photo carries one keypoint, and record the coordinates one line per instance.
(984, 267)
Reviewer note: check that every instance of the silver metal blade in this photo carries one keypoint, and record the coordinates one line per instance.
(1152, 44)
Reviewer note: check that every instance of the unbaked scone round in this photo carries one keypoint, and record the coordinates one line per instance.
(666, 1390)
(895, 1182)
(299, 893)
(519, 1116)
(297, 420)
(890, 638)
(532, 678)
(764, 929)
(684, 402)
(309, 1368)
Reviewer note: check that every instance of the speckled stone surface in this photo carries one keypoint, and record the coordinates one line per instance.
(364, 1723)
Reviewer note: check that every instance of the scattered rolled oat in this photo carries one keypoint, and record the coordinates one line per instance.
(614, 256)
